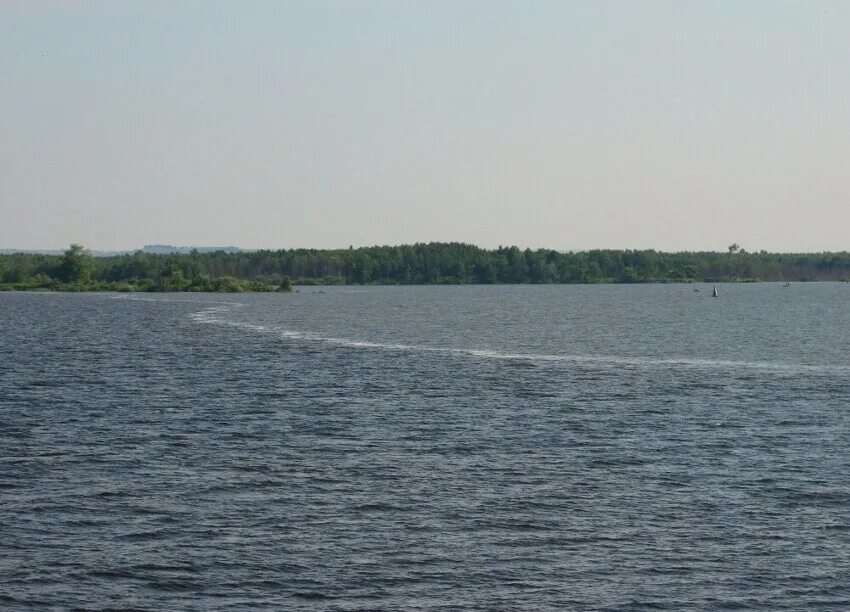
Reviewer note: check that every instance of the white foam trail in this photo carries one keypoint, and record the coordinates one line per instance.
(137, 298)
(214, 315)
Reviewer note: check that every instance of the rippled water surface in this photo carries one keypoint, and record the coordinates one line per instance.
(397, 448)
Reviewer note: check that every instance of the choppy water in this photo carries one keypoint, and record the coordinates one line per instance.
(510, 448)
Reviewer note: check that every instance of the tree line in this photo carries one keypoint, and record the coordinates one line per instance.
(432, 263)
(77, 270)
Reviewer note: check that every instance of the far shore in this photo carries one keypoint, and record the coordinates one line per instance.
(76, 269)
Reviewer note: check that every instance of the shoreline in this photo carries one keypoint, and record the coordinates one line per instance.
(296, 286)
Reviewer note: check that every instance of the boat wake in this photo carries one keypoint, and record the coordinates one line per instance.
(216, 315)
(138, 298)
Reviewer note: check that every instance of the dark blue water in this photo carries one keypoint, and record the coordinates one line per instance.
(442, 448)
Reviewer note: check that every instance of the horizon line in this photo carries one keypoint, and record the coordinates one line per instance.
(237, 249)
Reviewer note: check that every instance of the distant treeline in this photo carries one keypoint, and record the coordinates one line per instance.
(77, 270)
(433, 263)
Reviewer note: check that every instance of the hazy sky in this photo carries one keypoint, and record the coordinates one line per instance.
(571, 125)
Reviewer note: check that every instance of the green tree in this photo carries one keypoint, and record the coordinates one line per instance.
(76, 265)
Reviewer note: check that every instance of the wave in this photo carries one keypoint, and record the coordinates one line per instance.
(214, 315)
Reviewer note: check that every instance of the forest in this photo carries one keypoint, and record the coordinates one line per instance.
(433, 263)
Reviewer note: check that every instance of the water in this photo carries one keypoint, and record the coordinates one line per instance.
(394, 448)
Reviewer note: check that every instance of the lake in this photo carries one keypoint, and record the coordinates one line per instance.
(617, 447)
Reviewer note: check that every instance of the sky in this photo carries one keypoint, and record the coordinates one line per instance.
(673, 125)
